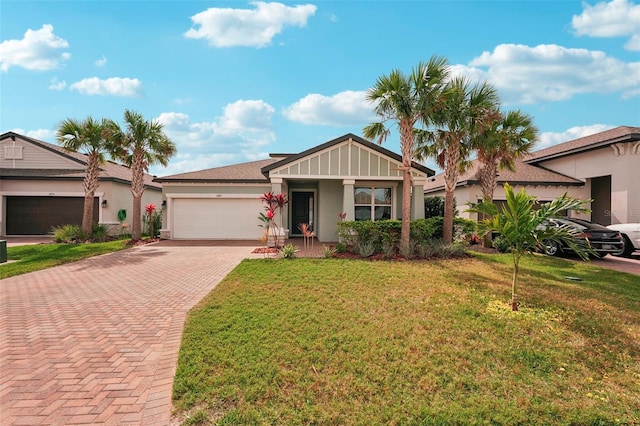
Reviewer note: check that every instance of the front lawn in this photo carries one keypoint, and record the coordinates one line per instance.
(330, 341)
(34, 257)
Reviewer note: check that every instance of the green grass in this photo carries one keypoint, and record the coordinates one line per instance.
(34, 257)
(328, 341)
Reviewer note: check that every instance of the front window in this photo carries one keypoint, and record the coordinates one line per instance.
(372, 203)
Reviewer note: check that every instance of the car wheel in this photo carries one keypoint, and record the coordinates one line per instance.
(628, 247)
(552, 248)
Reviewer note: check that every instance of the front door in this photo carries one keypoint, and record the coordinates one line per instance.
(302, 211)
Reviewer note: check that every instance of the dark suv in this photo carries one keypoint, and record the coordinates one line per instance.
(601, 239)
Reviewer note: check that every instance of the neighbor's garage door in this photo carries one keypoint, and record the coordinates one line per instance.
(217, 218)
(37, 215)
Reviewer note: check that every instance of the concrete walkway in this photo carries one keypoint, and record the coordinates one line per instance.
(96, 341)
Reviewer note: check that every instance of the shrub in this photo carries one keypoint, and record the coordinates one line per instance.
(500, 244)
(68, 234)
(289, 251)
(366, 248)
(434, 207)
(99, 233)
(328, 251)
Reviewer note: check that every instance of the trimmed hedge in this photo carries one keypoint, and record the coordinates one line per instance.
(383, 236)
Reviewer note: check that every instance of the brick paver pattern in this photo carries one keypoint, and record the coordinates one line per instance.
(96, 341)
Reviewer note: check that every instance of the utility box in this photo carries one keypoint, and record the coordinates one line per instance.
(3, 251)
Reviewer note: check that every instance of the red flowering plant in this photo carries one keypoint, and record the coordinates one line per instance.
(153, 220)
(273, 203)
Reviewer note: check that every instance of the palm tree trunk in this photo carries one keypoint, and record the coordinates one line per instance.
(514, 284)
(406, 146)
(87, 214)
(136, 219)
(452, 156)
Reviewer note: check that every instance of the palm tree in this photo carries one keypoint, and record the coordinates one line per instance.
(522, 226)
(509, 138)
(464, 112)
(87, 137)
(408, 101)
(141, 144)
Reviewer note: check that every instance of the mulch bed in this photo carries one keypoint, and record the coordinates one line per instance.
(142, 242)
(265, 250)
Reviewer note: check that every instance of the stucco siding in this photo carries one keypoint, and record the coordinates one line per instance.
(329, 207)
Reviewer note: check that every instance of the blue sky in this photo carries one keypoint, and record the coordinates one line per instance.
(234, 81)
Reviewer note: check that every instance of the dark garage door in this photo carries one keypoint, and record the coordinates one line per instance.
(37, 215)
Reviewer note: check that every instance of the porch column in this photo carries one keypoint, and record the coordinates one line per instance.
(276, 188)
(348, 199)
(276, 185)
(417, 207)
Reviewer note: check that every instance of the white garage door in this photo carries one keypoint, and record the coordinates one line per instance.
(217, 218)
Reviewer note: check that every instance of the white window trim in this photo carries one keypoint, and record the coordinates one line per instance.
(372, 205)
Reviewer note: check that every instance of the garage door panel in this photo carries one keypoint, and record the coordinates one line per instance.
(38, 215)
(221, 218)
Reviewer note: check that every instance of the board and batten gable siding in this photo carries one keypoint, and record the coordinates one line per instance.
(346, 160)
(33, 157)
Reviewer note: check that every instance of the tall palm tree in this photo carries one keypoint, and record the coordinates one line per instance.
(509, 138)
(87, 137)
(142, 143)
(407, 101)
(464, 112)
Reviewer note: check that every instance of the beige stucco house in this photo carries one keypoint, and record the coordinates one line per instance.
(347, 175)
(604, 167)
(41, 187)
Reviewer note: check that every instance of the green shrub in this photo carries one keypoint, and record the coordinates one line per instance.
(500, 244)
(99, 233)
(289, 251)
(68, 234)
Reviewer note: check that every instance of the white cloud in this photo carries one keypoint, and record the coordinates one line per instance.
(348, 108)
(40, 134)
(114, 86)
(240, 134)
(57, 85)
(227, 27)
(39, 50)
(547, 73)
(101, 62)
(548, 139)
(618, 18)
(237, 136)
(633, 43)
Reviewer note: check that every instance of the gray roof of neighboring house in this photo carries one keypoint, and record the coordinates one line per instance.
(525, 174)
(109, 171)
(587, 143)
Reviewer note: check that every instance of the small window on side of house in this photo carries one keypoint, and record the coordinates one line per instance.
(13, 152)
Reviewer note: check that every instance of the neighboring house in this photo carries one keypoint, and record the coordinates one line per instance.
(41, 187)
(347, 175)
(604, 167)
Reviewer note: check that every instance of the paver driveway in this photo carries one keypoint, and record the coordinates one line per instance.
(96, 341)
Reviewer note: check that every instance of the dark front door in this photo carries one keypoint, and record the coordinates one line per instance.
(38, 215)
(601, 195)
(302, 205)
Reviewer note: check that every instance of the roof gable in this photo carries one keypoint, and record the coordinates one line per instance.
(70, 165)
(348, 156)
(35, 154)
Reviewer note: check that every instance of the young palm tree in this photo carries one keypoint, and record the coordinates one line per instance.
(87, 137)
(510, 137)
(140, 144)
(523, 226)
(464, 112)
(407, 101)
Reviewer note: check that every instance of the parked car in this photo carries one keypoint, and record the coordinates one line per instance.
(631, 235)
(601, 239)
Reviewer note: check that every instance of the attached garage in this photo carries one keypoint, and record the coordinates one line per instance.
(28, 215)
(216, 218)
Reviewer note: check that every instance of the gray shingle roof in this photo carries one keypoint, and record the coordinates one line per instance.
(587, 143)
(242, 173)
(525, 174)
(108, 171)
